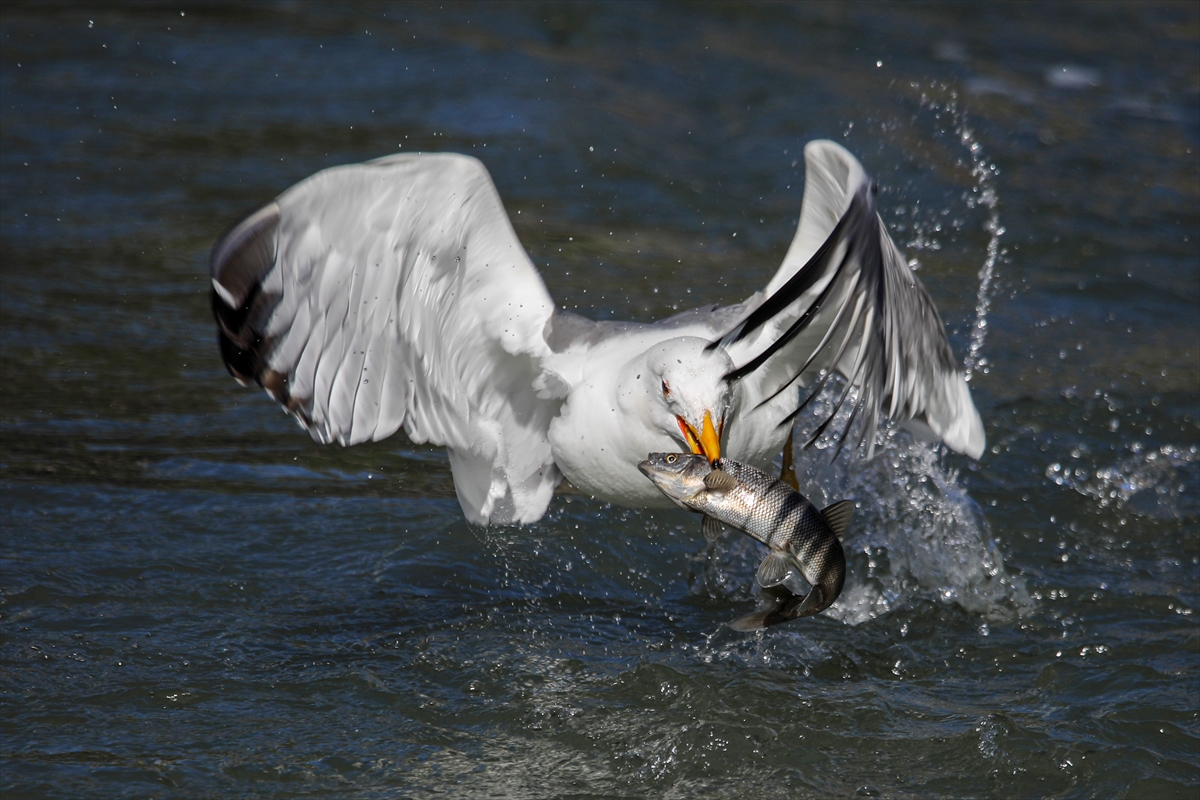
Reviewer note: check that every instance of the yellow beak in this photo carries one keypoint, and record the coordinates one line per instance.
(706, 441)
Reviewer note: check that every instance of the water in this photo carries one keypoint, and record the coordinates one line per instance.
(196, 600)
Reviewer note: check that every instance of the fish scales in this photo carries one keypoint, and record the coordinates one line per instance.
(775, 513)
(798, 535)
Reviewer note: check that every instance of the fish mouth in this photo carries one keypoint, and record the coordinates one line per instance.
(656, 475)
(706, 441)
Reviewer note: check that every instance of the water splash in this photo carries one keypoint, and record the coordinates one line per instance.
(916, 532)
(984, 194)
(1149, 483)
(984, 174)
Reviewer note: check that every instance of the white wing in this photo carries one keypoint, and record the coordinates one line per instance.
(845, 298)
(395, 293)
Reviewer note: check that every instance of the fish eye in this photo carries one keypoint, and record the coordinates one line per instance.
(671, 459)
(666, 389)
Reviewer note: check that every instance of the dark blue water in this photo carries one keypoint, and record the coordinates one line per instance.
(198, 601)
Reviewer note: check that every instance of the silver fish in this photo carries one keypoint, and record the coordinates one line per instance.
(800, 537)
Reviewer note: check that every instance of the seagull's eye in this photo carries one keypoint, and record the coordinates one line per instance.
(666, 390)
(672, 459)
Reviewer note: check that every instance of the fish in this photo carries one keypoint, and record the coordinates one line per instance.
(800, 538)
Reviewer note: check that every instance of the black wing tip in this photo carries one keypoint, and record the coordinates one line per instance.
(861, 208)
(241, 362)
(241, 259)
(244, 255)
(737, 373)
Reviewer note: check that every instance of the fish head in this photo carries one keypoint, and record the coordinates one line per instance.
(680, 476)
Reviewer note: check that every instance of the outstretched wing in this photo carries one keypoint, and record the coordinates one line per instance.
(845, 299)
(395, 294)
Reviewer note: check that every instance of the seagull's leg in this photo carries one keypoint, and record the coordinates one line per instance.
(787, 473)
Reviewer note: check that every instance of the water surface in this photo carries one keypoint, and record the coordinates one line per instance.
(197, 600)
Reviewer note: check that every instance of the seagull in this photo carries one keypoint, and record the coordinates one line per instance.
(395, 294)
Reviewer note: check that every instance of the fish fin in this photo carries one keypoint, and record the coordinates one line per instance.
(838, 516)
(774, 570)
(813, 600)
(711, 527)
(787, 471)
(719, 481)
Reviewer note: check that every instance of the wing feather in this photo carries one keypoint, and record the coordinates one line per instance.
(895, 355)
(395, 294)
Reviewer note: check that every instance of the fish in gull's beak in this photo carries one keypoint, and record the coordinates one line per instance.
(706, 441)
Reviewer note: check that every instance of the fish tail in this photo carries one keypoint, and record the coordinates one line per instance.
(774, 570)
(752, 622)
(775, 614)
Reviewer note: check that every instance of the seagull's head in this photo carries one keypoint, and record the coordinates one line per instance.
(685, 394)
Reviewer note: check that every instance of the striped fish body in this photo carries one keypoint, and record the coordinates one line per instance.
(799, 536)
